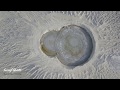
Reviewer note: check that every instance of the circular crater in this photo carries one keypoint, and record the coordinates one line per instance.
(73, 45)
(47, 43)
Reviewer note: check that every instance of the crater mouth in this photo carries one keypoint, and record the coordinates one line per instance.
(73, 45)
(47, 43)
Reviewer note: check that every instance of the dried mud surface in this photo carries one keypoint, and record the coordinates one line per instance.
(20, 34)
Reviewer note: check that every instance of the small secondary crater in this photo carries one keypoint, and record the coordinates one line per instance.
(47, 43)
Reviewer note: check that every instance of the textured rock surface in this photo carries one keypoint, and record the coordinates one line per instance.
(20, 34)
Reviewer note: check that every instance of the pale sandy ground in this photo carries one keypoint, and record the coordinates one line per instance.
(20, 33)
